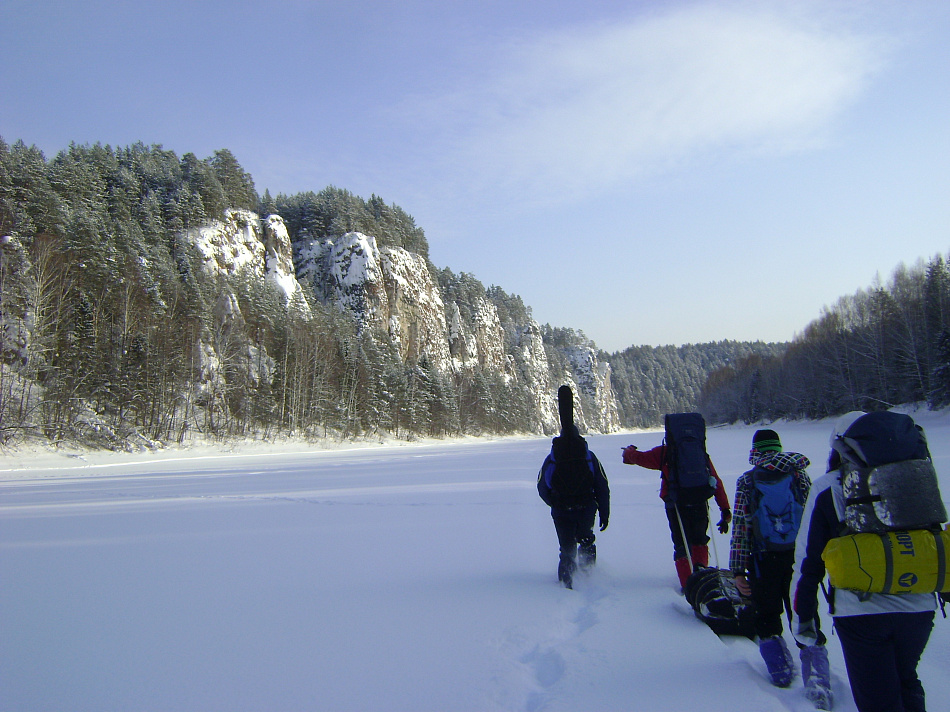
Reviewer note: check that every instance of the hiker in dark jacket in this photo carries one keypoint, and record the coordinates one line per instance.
(762, 562)
(692, 517)
(573, 484)
(882, 635)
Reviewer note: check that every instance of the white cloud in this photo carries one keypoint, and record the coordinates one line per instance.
(586, 109)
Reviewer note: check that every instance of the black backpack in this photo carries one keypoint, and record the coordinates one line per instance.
(572, 481)
(689, 478)
(887, 477)
(570, 472)
(891, 539)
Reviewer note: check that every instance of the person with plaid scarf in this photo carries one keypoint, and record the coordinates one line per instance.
(761, 572)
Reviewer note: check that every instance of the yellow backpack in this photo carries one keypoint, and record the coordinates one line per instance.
(891, 540)
(890, 562)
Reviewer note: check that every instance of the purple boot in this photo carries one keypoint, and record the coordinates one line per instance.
(778, 660)
(816, 674)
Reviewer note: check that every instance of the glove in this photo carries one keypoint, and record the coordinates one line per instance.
(603, 523)
(628, 454)
(724, 521)
(806, 632)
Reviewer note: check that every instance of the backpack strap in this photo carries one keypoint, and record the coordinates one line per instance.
(829, 594)
(941, 562)
(888, 561)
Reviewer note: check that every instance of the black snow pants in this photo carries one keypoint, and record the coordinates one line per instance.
(575, 527)
(770, 579)
(695, 523)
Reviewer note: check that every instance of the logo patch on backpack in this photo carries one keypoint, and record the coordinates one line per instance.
(777, 514)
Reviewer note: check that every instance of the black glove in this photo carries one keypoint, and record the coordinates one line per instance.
(603, 523)
(724, 521)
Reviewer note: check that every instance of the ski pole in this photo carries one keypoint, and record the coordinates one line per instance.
(689, 556)
(712, 536)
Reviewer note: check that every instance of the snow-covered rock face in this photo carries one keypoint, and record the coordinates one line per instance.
(279, 263)
(413, 309)
(386, 289)
(390, 291)
(230, 246)
(242, 242)
(593, 380)
(532, 360)
(479, 344)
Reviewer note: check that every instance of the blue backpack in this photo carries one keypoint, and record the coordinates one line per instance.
(776, 513)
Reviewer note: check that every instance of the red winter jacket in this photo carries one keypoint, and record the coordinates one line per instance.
(655, 459)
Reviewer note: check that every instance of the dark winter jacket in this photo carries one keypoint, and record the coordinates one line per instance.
(768, 464)
(655, 459)
(574, 447)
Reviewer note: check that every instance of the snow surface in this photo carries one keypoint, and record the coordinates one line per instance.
(392, 577)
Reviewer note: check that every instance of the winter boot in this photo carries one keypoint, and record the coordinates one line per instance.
(700, 555)
(816, 674)
(565, 572)
(587, 554)
(682, 570)
(778, 660)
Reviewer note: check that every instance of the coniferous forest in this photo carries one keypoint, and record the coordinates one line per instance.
(884, 346)
(107, 319)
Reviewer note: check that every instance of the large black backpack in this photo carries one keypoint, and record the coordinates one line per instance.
(572, 481)
(887, 477)
(891, 539)
(571, 477)
(689, 478)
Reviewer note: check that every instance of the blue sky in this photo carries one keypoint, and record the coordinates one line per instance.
(646, 172)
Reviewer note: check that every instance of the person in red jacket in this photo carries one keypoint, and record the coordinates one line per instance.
(686, 514)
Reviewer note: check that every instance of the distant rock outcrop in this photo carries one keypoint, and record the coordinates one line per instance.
(392, 290)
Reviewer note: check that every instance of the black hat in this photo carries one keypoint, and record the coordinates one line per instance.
(766, 441)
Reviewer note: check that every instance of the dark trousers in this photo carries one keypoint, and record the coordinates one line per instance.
(695, 523)
(881, 652)
(770, 579)
(574, 527)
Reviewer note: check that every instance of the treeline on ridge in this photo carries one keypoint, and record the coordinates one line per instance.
(884, 346)
(650, 381)
(106, 313)
(109, 325)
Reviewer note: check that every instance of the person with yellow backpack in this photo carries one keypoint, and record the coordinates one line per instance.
(880, 482)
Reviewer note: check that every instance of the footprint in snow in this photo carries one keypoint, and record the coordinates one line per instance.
(548, 665)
